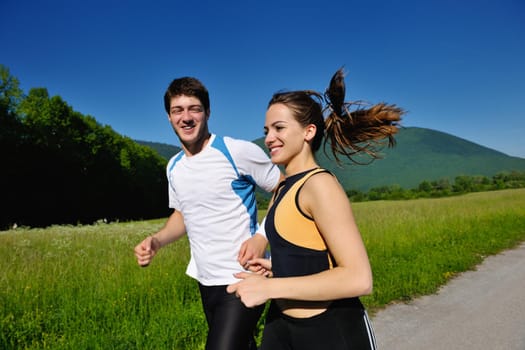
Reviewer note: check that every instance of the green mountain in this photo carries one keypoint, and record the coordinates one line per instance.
(420, 154)
(164, 149)
(424, 154)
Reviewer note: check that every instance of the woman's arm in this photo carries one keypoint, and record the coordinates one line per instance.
(324, 199)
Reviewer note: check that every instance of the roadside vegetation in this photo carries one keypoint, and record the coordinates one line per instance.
(443, 187)
(431, 189)
(79, 287)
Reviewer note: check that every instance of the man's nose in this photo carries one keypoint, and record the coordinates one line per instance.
(186, 116)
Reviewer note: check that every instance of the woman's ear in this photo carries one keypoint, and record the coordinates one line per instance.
(309, 132)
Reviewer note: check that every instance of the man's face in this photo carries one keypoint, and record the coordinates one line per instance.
(189, 121)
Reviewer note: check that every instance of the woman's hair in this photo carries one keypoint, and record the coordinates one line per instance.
(351, 133)
(187, 86)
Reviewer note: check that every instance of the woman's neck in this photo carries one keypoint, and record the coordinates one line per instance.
(298, 165)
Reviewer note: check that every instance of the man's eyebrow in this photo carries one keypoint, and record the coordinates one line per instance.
(190, 106)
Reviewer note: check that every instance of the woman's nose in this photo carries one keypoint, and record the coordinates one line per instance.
(268, 139)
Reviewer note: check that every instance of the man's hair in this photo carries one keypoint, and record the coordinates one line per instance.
(187, 86)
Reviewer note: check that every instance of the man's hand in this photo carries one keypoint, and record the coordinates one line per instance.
(252, 248)
(146, 250)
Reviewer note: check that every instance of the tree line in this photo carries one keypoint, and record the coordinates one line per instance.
(442, 188)
(62, 167)
(429, 189)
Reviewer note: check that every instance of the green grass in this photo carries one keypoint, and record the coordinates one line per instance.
(79, 287)
(416, 246)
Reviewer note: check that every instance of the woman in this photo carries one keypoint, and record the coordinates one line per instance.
(319, 262)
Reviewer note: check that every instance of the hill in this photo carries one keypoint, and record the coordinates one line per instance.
(163, 149)
(424, 154)
(420, 154)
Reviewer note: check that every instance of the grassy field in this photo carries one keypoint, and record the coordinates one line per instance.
(79, 287)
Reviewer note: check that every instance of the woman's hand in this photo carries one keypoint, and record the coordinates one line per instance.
(252, 290)
(260, 266)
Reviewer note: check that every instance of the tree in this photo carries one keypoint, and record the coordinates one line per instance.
(61, 167)
(463, 184)
(10, 92)
(12, 136)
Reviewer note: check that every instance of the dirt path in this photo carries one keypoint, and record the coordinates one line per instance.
(482, 309)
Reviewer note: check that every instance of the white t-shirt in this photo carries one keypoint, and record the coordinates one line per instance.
(214, 191)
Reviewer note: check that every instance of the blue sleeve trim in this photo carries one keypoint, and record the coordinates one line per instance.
(219, 144)
(243, 186)
(175, 159)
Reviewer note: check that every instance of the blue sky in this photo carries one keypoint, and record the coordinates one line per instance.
(455, 66)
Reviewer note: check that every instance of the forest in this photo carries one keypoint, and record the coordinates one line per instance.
(62, 167)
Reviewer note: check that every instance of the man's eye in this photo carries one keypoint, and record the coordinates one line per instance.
(196, 110)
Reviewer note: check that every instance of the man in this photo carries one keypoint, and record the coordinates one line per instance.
(212, 191)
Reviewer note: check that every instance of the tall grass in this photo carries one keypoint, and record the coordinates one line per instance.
(79, 287)
(416, 246)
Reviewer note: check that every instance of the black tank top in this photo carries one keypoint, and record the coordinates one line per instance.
(297, 246)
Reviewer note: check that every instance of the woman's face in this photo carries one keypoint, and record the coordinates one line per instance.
(285, 137)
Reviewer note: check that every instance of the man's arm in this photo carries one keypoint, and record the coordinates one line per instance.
(172, 230)
(255, 247)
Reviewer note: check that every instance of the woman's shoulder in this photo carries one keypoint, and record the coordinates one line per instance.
(320, 175)
(320, 180)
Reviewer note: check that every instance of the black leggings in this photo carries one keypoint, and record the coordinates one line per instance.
(343, 326)
(231, 324)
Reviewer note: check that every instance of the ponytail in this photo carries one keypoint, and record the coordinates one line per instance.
(359, 131)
